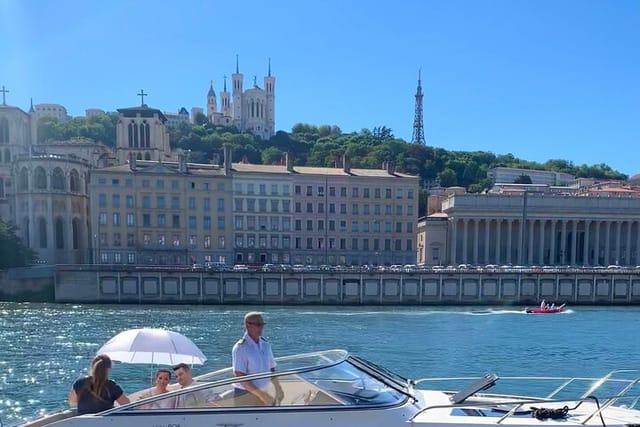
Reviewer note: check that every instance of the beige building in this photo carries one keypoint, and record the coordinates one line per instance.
(536, 229)
(349, 216)
(142, 132)
(169, 213)
(509, 175)
(262, 214)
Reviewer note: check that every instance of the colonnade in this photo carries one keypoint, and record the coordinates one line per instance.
(544, 241)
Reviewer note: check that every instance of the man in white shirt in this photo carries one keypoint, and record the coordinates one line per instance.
(252, 355)
(194, 399)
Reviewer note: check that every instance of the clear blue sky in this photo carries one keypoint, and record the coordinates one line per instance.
(539, 79)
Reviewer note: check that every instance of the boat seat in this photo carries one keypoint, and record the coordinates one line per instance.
(483, 383)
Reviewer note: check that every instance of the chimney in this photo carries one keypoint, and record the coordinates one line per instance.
(132, 161)
(182, 163)
(391, 168)
(288, 159)
(227, 158)
(346, 164)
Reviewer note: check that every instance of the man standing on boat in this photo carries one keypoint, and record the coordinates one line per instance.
(252, 355)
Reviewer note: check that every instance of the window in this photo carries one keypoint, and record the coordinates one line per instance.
(249, 188)
(262, 241)
(206, 223)
(116, 239)
(160, 202)
(332, 208)
(262, 189)
(409, 244)
(206, 204)
(398, 227)
(387, 227)
(309, 207)
(309, 190)
(365, 193)
(365, 209)
(162, 240)
(220, 186)
(354, 244)
(275, 223)
(355, 192)
(220, 205)
(286, 224)
(129, 202)
(376, 209)
(131, 258)
(387, 244)
(102, 219)
(388, 209)
(365, 226)
(40, 178)
(343, 225)
(262, 205)
(387, 193)
(239, 241)
(237, 188)
(176, 240)
(297, 190)
(376, 244)
(343, 191)
(332, 225)
(274, 205)
(238, 222)
(286, 206)
(297, 245)
(398, 209)
(321, 191)
(274, 189)
(175, 202)
(238, 204)
(146, 238)
(286, 242)
(298, 207)
(398, 245)
(251, 205)
(131, 239)
(159, 184)
(285, 189)
(332, 191)
(298, 225)
(145, 183)
(131, 220)
(57, 179)
(162, 220)
(274, 241)
(309, 225)
(320, 225)
(221, 224)
(343, 243)
(343, 208)
(309, 243)
(376, 193)
(175, 221)
(376, 226)
(410, 210)
(146, 202)
(262, 222)
(320, 207)
(175, 185)
(102, 200)
(354, 226)
(207, 242)
(251, 223)
(221, 242)
(354, 209)
(193, 240)
(409, 227)
(398, 193)
(74, 180)
(409, 194)
(146, 220)
(365, 244)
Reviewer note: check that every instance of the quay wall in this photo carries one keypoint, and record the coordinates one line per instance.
(35, 284)
(333, 288)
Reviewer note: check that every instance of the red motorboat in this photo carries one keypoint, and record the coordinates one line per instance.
(546, 310)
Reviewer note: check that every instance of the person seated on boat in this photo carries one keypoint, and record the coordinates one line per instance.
(162, 380)
(198, 398)
(543, 305)
(97, 393)
(553, 306)
(252, 355)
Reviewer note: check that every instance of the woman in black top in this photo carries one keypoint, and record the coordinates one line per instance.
(97, 393)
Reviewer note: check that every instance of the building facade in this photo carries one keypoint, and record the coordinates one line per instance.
(537, 229)
(168, 213)
(509, 175)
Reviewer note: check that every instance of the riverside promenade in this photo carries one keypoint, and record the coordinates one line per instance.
(163, 285)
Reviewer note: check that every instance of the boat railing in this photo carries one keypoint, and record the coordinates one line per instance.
(516, 404)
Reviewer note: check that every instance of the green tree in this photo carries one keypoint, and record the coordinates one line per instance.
(12, 252)
(271, 155)
(447, 178)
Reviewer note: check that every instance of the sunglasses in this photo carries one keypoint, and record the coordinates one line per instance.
(256, 323)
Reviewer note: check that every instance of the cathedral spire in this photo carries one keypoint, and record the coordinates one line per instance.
(418, 128)
(31, 109)
(269, 74)
(225, 82)
(211, 91)
(237, 65)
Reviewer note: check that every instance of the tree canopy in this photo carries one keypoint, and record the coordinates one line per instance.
(12, 252)
(311, 145)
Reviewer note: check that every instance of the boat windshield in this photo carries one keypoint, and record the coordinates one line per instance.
(319, 379)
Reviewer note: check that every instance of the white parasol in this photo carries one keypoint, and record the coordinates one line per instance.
(153, 346)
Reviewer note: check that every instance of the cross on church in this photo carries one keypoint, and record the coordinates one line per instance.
(142, 95)
(4, 93)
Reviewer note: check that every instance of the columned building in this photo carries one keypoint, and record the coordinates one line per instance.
(537, 229)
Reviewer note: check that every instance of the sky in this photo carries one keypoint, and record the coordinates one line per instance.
(540, 79)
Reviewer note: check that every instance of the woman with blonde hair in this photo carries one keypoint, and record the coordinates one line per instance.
(97, 393)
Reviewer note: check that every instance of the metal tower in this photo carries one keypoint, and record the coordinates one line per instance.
(418, 128)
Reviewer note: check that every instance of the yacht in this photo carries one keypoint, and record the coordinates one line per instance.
(335, 388)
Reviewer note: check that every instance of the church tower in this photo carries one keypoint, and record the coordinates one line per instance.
(237, 96)
(212, 107)
(142, 132)
(269, 87)
(224, 100)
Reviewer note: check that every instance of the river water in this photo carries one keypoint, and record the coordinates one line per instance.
(45, 347)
